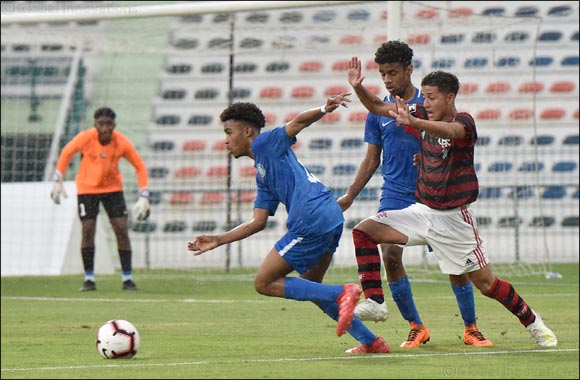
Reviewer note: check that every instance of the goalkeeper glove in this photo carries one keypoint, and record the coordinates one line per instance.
(141, 207)
(57, 189)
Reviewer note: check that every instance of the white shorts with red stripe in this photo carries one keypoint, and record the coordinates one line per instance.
(452, 234)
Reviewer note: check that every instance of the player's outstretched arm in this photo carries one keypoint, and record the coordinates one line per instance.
(371, 102)
(206, 243)
(306, 118)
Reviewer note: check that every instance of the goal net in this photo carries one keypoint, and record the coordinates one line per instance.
(169, 77)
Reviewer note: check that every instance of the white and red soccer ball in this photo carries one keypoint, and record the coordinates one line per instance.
(118, 339)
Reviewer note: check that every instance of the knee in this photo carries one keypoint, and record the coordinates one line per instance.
(261, 286)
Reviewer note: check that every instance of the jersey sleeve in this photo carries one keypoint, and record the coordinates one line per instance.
(468, 123)
(265, 199)
(372, 131)
(69, 150)
(275, 141)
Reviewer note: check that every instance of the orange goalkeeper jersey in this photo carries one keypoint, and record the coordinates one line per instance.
(99, 169)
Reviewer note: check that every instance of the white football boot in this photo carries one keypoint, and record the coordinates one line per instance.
(370, 310)
(541, 333)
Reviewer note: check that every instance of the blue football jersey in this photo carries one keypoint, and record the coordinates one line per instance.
(280, 177)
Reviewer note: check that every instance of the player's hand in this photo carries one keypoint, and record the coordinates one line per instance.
(335, 101)
(402, 114)
(354, 72)
(57, 191)
(141, 209)
(417, 159)
(203, 244)
(344, 202)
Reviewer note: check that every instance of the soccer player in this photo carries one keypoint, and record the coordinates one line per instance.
(446, 186)
(398, 146)
(99, 181)
(315, 221)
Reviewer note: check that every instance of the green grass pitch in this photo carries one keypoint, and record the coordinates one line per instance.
(210, 324)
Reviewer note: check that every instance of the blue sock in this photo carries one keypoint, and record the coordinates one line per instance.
(464, 295)
(403, 297)
(358, 330)
(301, 289)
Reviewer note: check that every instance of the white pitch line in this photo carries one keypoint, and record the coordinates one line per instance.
(280, 360)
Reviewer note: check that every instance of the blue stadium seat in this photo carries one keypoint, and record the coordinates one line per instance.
(324, 16)
(179, 69)
(564, 166)
(220, 18)
(343, 169)
(443, 63)
(185, 43)
(518, 36)
(168, 120)
(155, 197)
(291, 17)
(560, 10)
(502, 166)
(511, 140)
(251, 43)
(554, 192)
(212, 68)
(575, 36)
(278, 67)
(200, 120)
(509, 221)
(522, 192)
(320, 144)
(174, 226)
(163, 146)
(452, 38)
(576, 194)
(542, 221)
(526, 11)
(477, 166)
(144, 227)
(258, 17)
(206, 93)
(219, 43)
(173, 94)
(550, 36)
(351, 143)
(352, 222)
(417, 63)
(358, 15)
(571, 221)
(508, 62)
(241, 93)
(541, 61)
(191, 19)
(245, 67)
(476, 63)
(571, 140)
(158, 172)
(483, 38)
(542, 140)
(487, 192)
(571, 60)
(531, 166)
(494, 11)
(368, 194)
(483, 221)
(204, 226)
(317, 169)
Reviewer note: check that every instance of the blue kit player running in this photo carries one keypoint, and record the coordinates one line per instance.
(398, 145)
(315, 221)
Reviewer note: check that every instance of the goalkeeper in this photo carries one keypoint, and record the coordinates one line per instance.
(99, 181)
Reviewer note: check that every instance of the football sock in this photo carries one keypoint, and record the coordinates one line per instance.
(88, 255)
(368, 261)
(504, 292)
(403, 297)
(126, 276)
(464, 296)
(90, 276)
(358, 330)
(301, 289)
(125, 257)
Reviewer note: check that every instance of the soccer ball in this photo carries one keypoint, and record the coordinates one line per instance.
(118, 339)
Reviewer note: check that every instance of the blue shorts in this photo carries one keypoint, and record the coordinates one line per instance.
(302, 253)
(391, 200)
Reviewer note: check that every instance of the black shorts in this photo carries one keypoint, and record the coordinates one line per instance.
(114, 204)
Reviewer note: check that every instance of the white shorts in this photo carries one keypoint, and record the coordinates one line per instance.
(452, 234)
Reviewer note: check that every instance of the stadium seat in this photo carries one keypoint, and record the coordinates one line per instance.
(554, 192)
(219, 18)
(554, 36)
(552, 113)
(564, 166)
(181, 199)
(273, 92)
(241, 93)
(317, 169)
(204, 226)
(219, 43)
(483, 141)
(179, 69)
(371, 65)
(158, 172)
(258, 17)
(358, 15)
(502, 166)
(494, 11)
(191, 19)
(144, 227)
(251, 43)
(487, 192)
(418, 39)
(576, 113)
(531, 166)
(509, 221)
(476, 63)
(326, 15)
(244, 197)
(380, 39)
(245, 67)
(174, 226)
(341, 65)
(531, 87)
(460, 12)
(443, 63)
(168, 120)
(358, 117)
(163, 146)
(311, 66)
(344, 169)
(187, 172)
(571, 60)
(335, 90)
(320, 144)
(155, 197)
(517, 36)
(291, 17)
(303, 92)
(489, 114)
(483, 221)
(351, 143)
(560, 10)
(522, 192)
(217, 171)
(542, 221)
(575, 36)
(212, 198)
(330, 118)
(368, 194)
(571, 140)
(290, 116)
(562, 86)
(521, 114)
(200, 120)
(219, 145)
(185, 43)
(468, 88)
(248, 171)
(498, 88)
(483, 38)
(212, 68)
(270, 118)
(194, 145)
(450, 39)
(427, 13)
(510, 61)
(526, 11)
(374, 89)
(571, 221)
(350, 39)
(278, 67)
(542, 61)
(510, 140)
(206, 94)
(576, 194)
(542, 140)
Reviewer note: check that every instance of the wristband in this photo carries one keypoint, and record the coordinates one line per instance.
(144, 193)
(323, 108)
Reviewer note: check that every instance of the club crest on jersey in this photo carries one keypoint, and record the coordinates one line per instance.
(261, 170)
(445, 144)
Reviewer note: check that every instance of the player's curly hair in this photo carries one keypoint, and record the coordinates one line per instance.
(446, 82)
(247, 112)
(104, 111)
(394, 52)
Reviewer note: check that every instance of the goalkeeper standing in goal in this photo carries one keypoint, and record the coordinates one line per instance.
(446, 186)
(99, 181)
(315, 221)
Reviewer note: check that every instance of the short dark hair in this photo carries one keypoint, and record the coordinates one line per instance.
(394, 52)
(446, 82)
(104, 111)
(248, 112)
